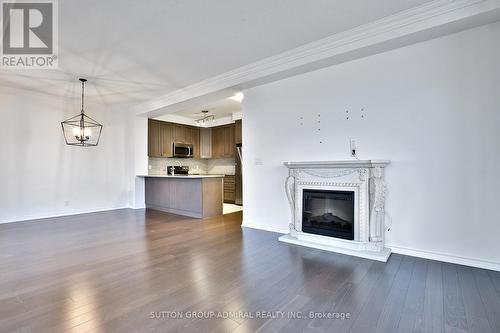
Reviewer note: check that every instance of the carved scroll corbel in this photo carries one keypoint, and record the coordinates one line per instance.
(363, 174)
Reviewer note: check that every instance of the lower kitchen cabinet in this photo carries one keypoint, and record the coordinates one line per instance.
(229, 189)
(194, 196)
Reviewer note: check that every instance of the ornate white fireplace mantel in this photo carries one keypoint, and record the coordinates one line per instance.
(366, 180)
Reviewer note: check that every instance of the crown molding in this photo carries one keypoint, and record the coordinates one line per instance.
(430, 20)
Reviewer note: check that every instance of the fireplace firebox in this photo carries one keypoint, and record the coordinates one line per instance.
(328, 213)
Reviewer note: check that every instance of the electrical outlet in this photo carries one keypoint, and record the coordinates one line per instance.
(150, 167)
(353, 146)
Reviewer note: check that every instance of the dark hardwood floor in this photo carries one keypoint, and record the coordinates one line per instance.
(128, 271)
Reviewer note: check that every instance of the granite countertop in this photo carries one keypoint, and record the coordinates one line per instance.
(181, 176)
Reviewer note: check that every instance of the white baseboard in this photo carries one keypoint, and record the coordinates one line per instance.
(52, 215)
(265, 228)
(143, 206)
(473, 262)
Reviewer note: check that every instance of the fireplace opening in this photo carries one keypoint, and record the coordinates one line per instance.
(328, 213)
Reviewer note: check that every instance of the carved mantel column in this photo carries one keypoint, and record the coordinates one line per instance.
(290, 194)
(377, 204)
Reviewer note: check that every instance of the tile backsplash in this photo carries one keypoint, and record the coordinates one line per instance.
(223, 166)
(202, 166)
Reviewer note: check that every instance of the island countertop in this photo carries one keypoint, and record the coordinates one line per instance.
(181, 176)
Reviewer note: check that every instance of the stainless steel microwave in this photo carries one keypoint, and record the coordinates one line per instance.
(183, 150)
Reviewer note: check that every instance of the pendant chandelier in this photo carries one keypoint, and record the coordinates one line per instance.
(81, 130)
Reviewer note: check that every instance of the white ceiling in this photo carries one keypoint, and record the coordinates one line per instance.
(220, 108)
(132, 51)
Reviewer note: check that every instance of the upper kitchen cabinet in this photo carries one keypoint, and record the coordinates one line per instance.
(166, 139)
(223, 141)
(205, 142)
(195, 140)
(238, 138)
(217, 142)
(186, 134)
(162, 135)
(181, 134)
(159, 138)
(154, 141)
(229, 142)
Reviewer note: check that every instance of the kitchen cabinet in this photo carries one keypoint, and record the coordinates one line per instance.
(180, 134)
(217, 142)
(195, 140)
(166, 145)
(229, 188)
(154, 144)
(194, 196)
(159, 139)
(186, 134)
(238, 137)
(229, 145)
(223, 141)
(162, 135)
(205, 143)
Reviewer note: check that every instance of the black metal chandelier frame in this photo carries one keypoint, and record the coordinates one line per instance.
(85, 131)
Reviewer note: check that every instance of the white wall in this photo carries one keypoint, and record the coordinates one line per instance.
(432, 108)
(41, 176)
(139, 140)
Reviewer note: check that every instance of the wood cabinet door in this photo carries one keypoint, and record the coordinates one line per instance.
(195, 136)
(229, 144)
(223, 143)
(188, 135)
(179, 134)
(154, 149)
(238, 134)
(166, 139)
(205, 142)
(229, 187)
(217, 142)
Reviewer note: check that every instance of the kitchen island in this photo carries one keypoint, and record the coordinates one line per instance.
(189, 195)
